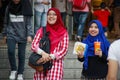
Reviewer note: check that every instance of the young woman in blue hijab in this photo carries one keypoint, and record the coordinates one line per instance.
(95, 63)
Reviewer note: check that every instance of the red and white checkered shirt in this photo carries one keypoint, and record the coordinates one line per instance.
(56, 73)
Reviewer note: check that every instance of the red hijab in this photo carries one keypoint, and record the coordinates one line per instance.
(56, 30)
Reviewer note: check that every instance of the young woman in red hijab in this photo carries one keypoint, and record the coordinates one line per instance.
(58, 48)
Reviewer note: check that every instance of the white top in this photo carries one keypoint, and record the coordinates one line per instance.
(41, 7)
(114, 51)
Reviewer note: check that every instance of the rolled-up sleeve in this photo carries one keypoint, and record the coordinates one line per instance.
(35, 42)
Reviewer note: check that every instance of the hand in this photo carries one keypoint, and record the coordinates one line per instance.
(45, 58)
(98, 52)
(80, 54)
(45, 3)
(29, 39)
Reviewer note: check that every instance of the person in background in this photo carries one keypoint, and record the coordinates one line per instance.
(102, 15)
(79, 18)
(40, 8)
(62, 8)
(116, 4)
(17, 30)
(59, 40)
(113, 60)
(95, 62)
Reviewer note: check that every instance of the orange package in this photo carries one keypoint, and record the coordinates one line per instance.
(96, 46)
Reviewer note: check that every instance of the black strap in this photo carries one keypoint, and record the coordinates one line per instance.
(44, 31)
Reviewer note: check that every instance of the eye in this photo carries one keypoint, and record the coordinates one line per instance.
(51, 14)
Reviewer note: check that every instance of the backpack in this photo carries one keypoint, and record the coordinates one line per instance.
(44, 44)
(79, 4)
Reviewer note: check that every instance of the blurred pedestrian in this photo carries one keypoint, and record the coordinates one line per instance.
(102, 15)
(17, 30)
(116, 4)
(79, 18)
(62, 8)
(41, 7)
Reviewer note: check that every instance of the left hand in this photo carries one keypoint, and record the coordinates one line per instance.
(29, 39)
(98, 52)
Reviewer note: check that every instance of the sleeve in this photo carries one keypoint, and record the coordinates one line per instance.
(35, 42)
(6, 20)
(62, 48)
(38, 1)
(29, 26)
(80, 59)
(112, 52)
(96, 13)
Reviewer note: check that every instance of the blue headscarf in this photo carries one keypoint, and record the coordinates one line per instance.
(90, 42)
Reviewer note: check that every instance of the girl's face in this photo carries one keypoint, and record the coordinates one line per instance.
(93, 29)
(51, 17)
(16, 1)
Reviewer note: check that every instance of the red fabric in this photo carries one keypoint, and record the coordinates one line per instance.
(79, 4)
(56, 73)
(56, 30)
(102, 16)
(59, 49)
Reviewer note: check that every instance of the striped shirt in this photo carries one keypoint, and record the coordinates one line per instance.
(56, 73)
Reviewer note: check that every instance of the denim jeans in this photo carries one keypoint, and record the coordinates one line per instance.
(40, 20)
(21, 55)
(63, 15)
(80, 19)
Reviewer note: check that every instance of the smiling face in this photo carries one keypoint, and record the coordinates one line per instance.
(51, 17)
(93, 29)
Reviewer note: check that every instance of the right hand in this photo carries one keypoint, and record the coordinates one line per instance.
(45, 58)
(80, 54)
(45, 3)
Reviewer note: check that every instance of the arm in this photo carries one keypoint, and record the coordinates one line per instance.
(61, 50)
(92, 10)
(35, 42)
(110, 2)
(108, 10)
(35, 47)
(113, 61)
(42, 2)
(45, 2)
(112, 70)
(29, 29)
(6, 21)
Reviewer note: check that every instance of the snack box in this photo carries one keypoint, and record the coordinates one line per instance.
(79, 46)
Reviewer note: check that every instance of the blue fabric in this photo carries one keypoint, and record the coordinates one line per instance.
(90, 42)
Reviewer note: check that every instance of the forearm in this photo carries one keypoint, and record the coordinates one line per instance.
(29, 26)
